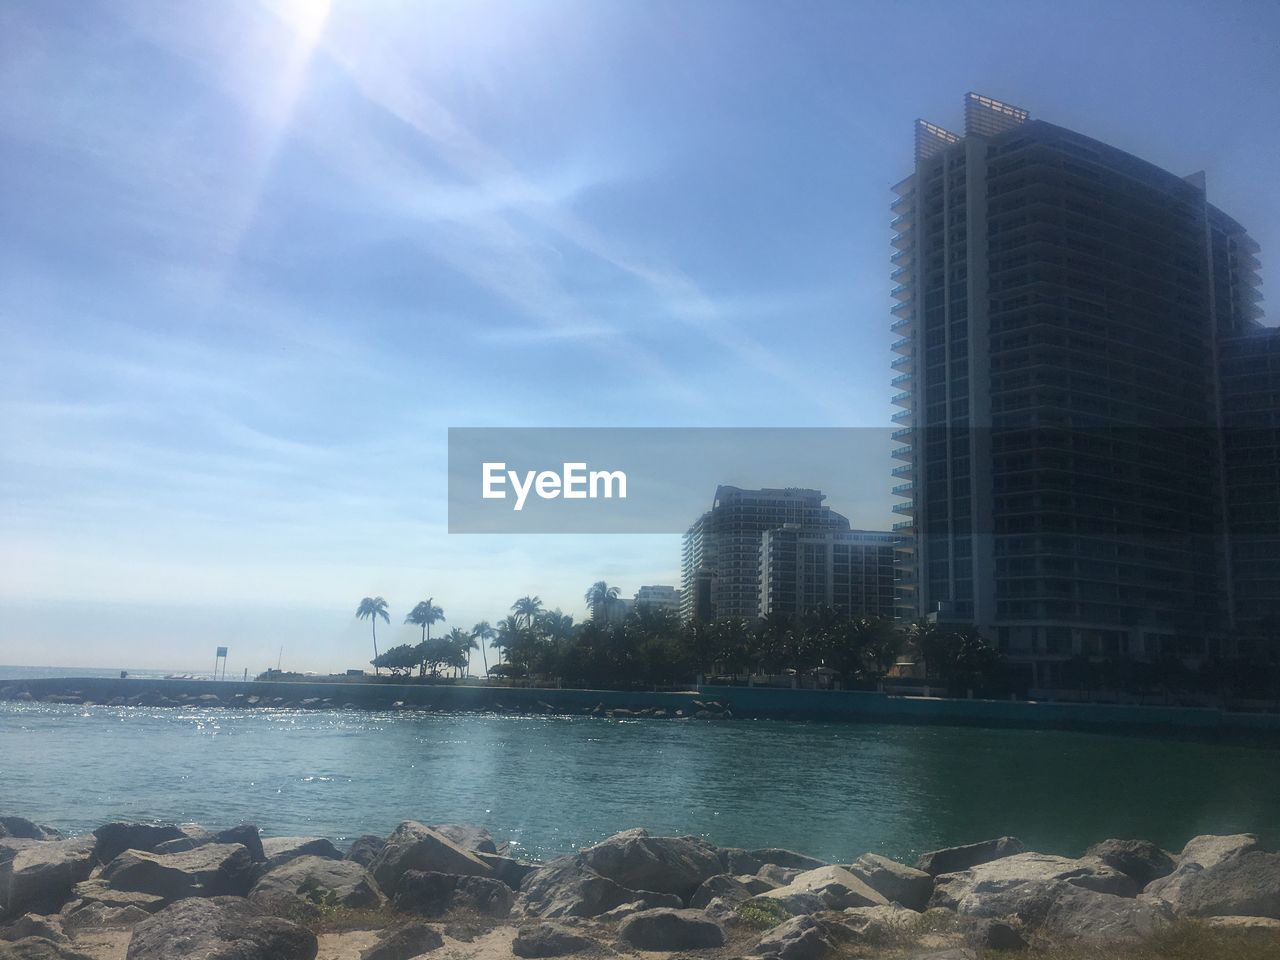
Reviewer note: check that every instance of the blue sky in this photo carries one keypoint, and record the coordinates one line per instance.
(257, 257)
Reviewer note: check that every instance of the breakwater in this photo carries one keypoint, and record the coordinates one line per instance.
(698, 703)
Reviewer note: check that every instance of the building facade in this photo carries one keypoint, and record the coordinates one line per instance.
(1060, 308)
(849, 570)
(658, 597)
(720, 563)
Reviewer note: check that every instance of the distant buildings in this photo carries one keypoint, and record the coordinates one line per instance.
(1075, 328)
(658, 597)
(780, 549)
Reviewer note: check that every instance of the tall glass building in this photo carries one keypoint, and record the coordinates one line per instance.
(1061, 309)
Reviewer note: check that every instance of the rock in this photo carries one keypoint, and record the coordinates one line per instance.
(430, 894)
(548, 940)
(405, 942)
(778, 876)
(34, 925)
(304, 884)
(797, 903)
(245, 834)
(39, 875)
(193, 835)
(280, 850)
(738, 861)
(1077, 913)
(98, 916)
(836, 887)
(724, 887)
(800, 938)
(97, 891)
(1139, 859)
(1246, 884)
(896, 882)
(114, 839)
(38, 948)
(955, 859)
(1208, 851)
(633, 859)
(996, 935)
(414, 846)
(878, 925)
(566, 887)
(510, 871)
(475, 839)
(667, 929)
(995, 888)
(22, 829)
(219, 928)
(213, 870)
(364, 849)
(785, 858)
(1258, 924)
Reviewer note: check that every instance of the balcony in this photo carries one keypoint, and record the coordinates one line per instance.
(905, 508)
(905, 362)
(903, 309)
(903, 399)
(904, 240)
(906, 470)
(901, 323)
(903, 432)
(903, 291)
(903, 525)
(902, 346)
(904, 489)
(901, 257)
(903, 453)
(903, 416)
(903, 272)
(900, 379)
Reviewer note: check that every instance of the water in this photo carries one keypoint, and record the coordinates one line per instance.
(553, 784)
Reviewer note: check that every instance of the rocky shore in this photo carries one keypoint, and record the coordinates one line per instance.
(150, 891)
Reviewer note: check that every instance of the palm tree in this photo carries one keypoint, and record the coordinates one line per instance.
(483, 632)
(463, 643)
(598, 596)
(528, 607)
(510, 632)
(372, 608)
(424, 615)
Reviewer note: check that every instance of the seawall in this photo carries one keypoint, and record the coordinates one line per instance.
(739, 702)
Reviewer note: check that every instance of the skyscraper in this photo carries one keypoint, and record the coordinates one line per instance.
(1062, 307)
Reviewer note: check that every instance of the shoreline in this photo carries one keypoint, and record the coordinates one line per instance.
(154, 891)
(703, 702)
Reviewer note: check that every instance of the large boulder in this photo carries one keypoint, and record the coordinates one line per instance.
(98, 916)
(364, 849)
(39, 875)
(836, 887)
(193, 835)
(219, 928)
(878, 925)
(38, 948)
(538, 940)
(955, 859)
(896, 882)
(566, 887)
(802, 938)
(414, 846)
(305, 884)
(1247, 884)
(247, 835)
(34, 925)
(96, 890)
(430, 894)
(997, 887)
(667, 929)
(475, 839)
(115, 838)
(722, 885)
(1141, 860)
(21, 828)
(404, 942)
(507, 869)
(784, 858)
(1209, 850)
(278, 851)
(1077, 913)
(675, 865)
(212, 870)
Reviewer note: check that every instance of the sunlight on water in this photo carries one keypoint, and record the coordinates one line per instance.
(552, 784)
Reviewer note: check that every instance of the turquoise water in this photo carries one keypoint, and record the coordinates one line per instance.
(553, 784)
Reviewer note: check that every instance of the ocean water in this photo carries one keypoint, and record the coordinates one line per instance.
(554, 784)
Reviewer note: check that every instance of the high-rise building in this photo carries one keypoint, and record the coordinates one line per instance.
(849, 570)
(658, 597)
(720, 565)
(1061, 307)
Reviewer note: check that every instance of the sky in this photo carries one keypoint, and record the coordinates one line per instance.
(256, 257)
